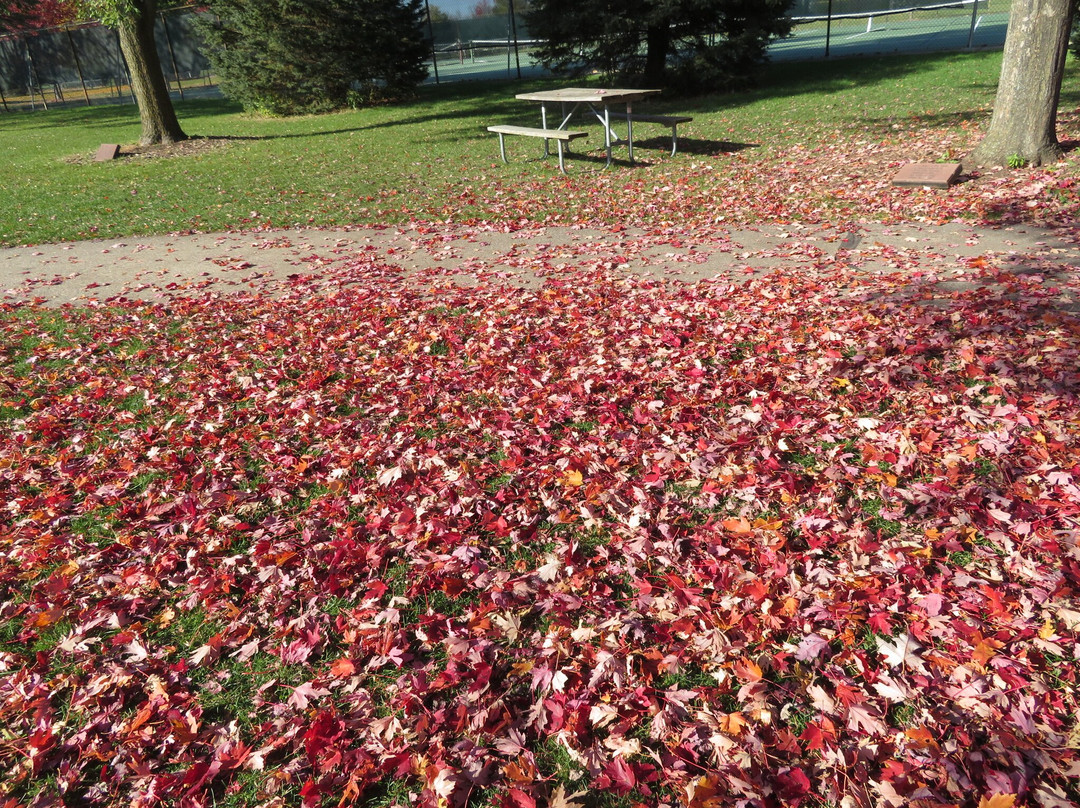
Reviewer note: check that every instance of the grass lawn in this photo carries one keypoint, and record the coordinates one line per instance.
(804, 539)
(811, 126)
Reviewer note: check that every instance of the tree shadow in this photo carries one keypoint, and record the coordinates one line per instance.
(702, 146)
(784, 79)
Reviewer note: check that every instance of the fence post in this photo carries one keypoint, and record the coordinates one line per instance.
(125, 74)
(513, 30)
(172, 56)
(974, 22)
(431, 33)
(34, 78)
(78, 65)
(828, 29)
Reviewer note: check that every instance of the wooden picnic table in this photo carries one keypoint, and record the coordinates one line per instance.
(599, 101)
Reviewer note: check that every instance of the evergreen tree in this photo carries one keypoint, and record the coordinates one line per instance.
(1074, 39)
(287, 57)
(692, 44)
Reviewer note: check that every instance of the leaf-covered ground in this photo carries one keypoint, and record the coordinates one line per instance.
(806, 538)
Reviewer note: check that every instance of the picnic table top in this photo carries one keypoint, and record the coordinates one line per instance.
(586, 95)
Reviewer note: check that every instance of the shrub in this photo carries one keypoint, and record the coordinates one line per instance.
(285, 57)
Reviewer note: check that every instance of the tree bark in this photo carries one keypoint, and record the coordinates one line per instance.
(657, 44)
(159, 122)
(1023, 125)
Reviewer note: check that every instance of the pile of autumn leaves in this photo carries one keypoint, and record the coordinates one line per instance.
(786, 542)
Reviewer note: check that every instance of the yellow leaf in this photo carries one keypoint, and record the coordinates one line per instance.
(998, 801)
(69, 568)
(1047, 630)
(165, 616)
(573, 478)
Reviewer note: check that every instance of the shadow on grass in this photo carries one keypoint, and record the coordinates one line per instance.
(494, 98)
(782, 80)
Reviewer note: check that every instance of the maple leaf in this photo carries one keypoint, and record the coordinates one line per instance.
(342, 668)
(903, 651)
(862, 718)
(998, 801)
(737, 526)
(890, 689)
(304, 693)
(811, 647)
(560, 799)
(519, 799)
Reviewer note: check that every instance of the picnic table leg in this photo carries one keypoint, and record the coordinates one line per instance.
(630, 130)
(543, 125)
(502, 147)
(559, 145)
(607, 134)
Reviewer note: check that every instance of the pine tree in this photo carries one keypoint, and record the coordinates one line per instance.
(692, 44)
(287, 57)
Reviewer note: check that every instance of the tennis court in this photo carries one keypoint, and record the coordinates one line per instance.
(894, 28)
(916, 29)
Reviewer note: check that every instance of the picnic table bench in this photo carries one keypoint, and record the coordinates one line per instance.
(560, 136)
(667, 120)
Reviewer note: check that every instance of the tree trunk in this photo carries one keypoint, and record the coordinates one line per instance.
(1023, 125)
(159, 122)
(657, 43)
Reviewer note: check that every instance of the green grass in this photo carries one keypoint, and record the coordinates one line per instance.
(427, 158)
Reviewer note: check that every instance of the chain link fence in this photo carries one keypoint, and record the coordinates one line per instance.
(825, 28)
(83, 65)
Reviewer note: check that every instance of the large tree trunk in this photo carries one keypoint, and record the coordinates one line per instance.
(1025, 110)
(159, 122)
(657, 44)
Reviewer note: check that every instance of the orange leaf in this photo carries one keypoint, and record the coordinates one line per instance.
(736, 526)
(921, 736)
(49, 617)
(749, 670)
(342, 668)
(998, 801)
(732, 723)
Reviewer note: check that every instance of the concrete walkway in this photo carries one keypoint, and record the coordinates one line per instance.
(159, 267)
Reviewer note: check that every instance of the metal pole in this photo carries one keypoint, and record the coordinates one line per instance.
(513, 29)
(172, 56)
(828, 29)
(124, 67)
(974, 22)
(431, 33)
(35, 79)
(78, 65)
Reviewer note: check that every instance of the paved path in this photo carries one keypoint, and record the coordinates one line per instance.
(158, 267)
